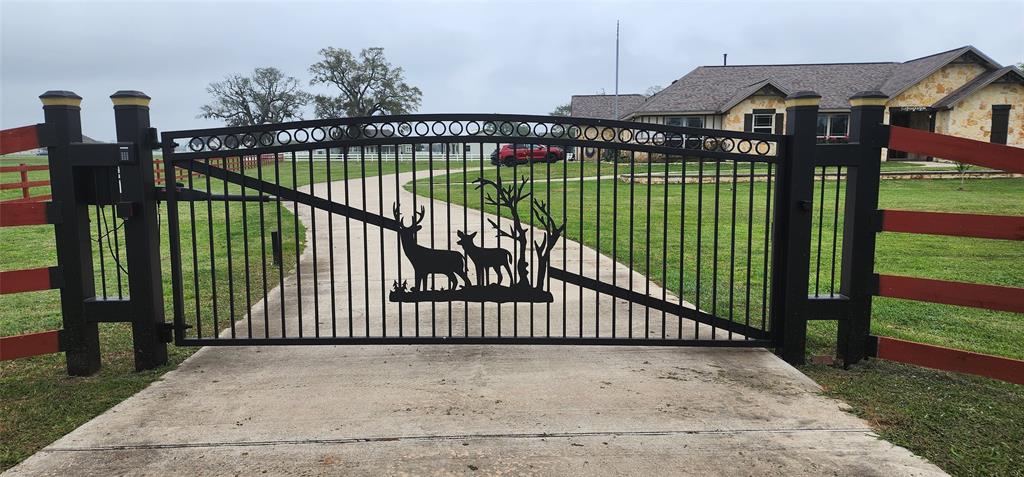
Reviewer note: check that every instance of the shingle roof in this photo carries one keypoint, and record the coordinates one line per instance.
(602, 106)
(715, 89)
(981, 81)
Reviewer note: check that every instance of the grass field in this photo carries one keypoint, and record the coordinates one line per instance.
(965, 424)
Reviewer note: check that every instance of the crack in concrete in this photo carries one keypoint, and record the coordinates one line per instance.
(454, 437)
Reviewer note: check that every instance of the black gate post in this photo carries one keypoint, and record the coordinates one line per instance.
(138, 208)
(80, 338)
(860, 225)
(791, 253)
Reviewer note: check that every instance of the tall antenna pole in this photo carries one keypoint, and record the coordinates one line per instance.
(616, 70)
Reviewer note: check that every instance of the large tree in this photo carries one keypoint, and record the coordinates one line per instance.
(265, 97)
(368, 84)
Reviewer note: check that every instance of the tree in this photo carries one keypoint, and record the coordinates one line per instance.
(266, 97)
(562, 110)
(652, 90)
(369, 85)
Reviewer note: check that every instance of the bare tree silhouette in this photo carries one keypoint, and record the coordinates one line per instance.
(552, 232)
(509, 196)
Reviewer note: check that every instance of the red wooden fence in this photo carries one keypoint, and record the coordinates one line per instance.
(991, 297)
(27, 210)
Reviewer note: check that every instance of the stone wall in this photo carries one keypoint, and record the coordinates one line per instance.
(972, 117)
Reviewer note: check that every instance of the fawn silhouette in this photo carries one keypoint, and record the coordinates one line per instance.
(427, 261)
(484, 259)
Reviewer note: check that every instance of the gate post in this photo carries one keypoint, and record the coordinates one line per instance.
(860, 224)
(791, 252)
(80, 338)
(138, 208)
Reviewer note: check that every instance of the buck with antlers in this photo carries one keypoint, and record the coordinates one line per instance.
(428, 261)
(484, 259)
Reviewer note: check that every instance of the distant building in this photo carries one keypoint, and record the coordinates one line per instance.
(961, 92)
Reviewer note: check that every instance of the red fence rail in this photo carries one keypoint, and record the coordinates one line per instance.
(24, 184)
(990, 297)
(19, 139)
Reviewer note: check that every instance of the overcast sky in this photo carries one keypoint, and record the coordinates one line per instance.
(508, 57)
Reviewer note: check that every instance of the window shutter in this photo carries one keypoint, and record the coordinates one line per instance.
(779, 120)
(748, 122)
(1000, 123)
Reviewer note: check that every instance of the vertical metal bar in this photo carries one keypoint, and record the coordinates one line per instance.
(280, 231)
(821, 216)
(647, 249)
(213, 264)
(516, 254)
(714, 249)
(835, 231)
(366, 245)
(682, 242)
(298, 253)
(415, 201)
(312, 240)
(380, 231)
(533, 265)
(547, 284)
(245, 249)
(430, 191)
(700, 239)
(565, 246)
(766, 279)
(230, 265)
(448, 216)
(615, 238)
(263, 249)
(465, 226)
(581, 194)
(497, 170)
(195, 254)
(348, 242)
(632, 203)
(664, 246)
(750, 242)
(732, 246)
(480, 280)
(398, 243)
(597, 244)
(330, 244)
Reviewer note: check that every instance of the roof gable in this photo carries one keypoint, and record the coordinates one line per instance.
(909, 73)
(1008, 73)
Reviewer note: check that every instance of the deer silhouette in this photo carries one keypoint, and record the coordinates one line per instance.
(484, 259)
(427, 261)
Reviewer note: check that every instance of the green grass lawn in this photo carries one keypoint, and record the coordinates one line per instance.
(967, 425)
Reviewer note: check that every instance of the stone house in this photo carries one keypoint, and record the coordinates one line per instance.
(960, 92)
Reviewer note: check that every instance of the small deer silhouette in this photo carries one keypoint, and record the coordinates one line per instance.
(484, 259)
(427, 261)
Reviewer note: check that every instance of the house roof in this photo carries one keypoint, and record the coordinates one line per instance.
(602, 106)
(977, 83)
(718, 88)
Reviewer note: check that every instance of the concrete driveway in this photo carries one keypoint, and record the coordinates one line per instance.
(476, 410)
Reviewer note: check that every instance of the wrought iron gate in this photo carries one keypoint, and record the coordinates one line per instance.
(471, 229)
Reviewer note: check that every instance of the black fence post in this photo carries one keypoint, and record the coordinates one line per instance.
(860, 224)
(791, 253)
(80, 339)
(138, 208)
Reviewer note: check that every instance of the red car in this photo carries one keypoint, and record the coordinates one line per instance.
(510, 154)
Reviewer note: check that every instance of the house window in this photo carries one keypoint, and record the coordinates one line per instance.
(833, 127)
(685, 121)
(764, 123)
(1000, 123)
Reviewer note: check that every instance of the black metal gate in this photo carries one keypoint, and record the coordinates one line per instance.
(471, 229)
